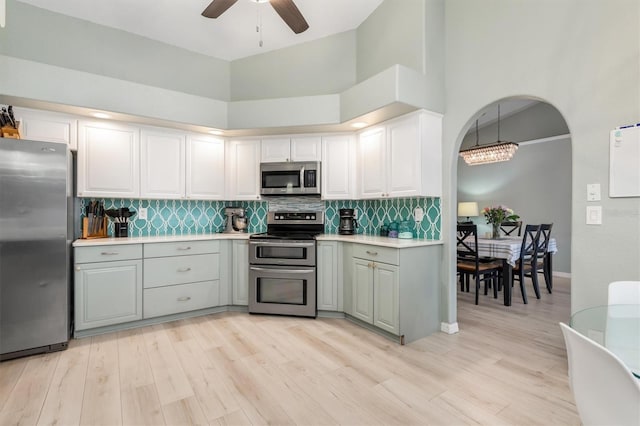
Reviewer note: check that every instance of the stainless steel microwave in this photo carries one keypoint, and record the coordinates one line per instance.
(290, 178)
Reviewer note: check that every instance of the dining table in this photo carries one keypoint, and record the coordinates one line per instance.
(616, 327)
(507, 249)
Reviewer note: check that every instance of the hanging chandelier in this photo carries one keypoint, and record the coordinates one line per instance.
(491, 153)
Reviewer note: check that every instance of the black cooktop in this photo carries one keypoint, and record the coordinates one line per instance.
(287, 225)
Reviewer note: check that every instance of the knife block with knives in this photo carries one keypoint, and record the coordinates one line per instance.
(9, 126)
(94, 224)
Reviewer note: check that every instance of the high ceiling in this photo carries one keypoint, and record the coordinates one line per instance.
(231, 36)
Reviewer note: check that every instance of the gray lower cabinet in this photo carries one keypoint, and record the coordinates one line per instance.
(181, 277)
(108, 285)
(240, 272)
(329, 280)
(394, 290)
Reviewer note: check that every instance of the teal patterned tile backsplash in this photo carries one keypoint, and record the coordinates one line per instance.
(183, 217)
(372, 214)
(188, 217)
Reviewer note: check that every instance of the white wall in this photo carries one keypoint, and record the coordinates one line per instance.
(568, 53)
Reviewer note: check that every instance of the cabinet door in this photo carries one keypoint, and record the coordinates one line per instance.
(108, 160)
(244, 170)
(405, 165)
(386, 298)
(107, 293)
(205, 168)
(161, 165)
(372, 167)
(362, 282)
(337, 167)
(328, 276)
(240, 273)
(276, 150)
(306, 148)
(48, 127)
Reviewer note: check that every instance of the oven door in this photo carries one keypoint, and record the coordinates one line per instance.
(282, 252)
(282, 290)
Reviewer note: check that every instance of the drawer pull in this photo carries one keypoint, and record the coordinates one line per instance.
(184, 269)
(109, 253)
(372, 253)
(184, 248)
(184, 299)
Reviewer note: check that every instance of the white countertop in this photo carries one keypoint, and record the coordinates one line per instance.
(361, 239)
(162, 239)
(376, 240)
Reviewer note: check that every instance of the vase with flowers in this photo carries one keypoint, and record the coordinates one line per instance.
(495, 215)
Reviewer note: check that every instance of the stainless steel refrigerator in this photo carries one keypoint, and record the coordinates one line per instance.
(35, 241)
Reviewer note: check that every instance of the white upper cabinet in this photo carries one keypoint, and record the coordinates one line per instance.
(205, 168)
(162, 165)
(47, 127)
(338, 170)
(402, 157)
(243, 162)
(302, 148)
(372, 163)
(108, 160)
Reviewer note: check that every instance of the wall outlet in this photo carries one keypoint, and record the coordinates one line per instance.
(142, 213)
(418, 214)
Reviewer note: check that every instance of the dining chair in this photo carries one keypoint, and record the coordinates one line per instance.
(526, 265)
(604, 389)
(510, 228)
(624, 292)
(542, 266)
(469, 265)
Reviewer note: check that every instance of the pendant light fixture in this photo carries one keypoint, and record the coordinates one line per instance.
(492, 153)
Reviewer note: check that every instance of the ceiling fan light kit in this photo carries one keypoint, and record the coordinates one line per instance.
(491, 153)
(287, 10)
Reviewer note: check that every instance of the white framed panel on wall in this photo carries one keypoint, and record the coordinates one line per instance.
(624, 162)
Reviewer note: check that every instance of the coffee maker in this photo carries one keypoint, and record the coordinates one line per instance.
(237, 221)
(348, 222)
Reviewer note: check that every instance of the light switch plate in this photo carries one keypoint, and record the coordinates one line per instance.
(594, 215)
(593, 192)
(142, 213)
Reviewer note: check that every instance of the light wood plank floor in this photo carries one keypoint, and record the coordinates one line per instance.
(506, 366)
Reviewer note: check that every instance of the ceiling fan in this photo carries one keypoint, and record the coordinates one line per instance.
(287, 10)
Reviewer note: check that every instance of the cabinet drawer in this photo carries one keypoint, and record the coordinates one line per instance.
(163, 271)
(182, 248)
(376, 253)
(108, 253)
(180, 298)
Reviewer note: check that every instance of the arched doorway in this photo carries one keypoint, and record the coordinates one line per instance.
(536, 183)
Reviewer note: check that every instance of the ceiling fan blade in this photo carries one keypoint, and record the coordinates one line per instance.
(217, 8)
(290, 14)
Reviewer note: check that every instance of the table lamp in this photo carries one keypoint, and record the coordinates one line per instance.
(469, 208)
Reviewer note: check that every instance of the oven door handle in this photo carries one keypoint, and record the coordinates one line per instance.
(286, 271)
(281, 244)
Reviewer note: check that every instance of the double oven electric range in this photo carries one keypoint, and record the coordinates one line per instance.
(282, 264)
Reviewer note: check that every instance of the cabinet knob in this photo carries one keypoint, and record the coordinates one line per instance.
(183, 299)
(184, 248)
(109, 253)
(77, 268)
(184, 269)
(372, 253)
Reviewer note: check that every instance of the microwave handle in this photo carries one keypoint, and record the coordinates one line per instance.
(302, 183)
(285, 271)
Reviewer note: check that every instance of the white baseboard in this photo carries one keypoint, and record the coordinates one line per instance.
(562, 274)
(449, 328)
